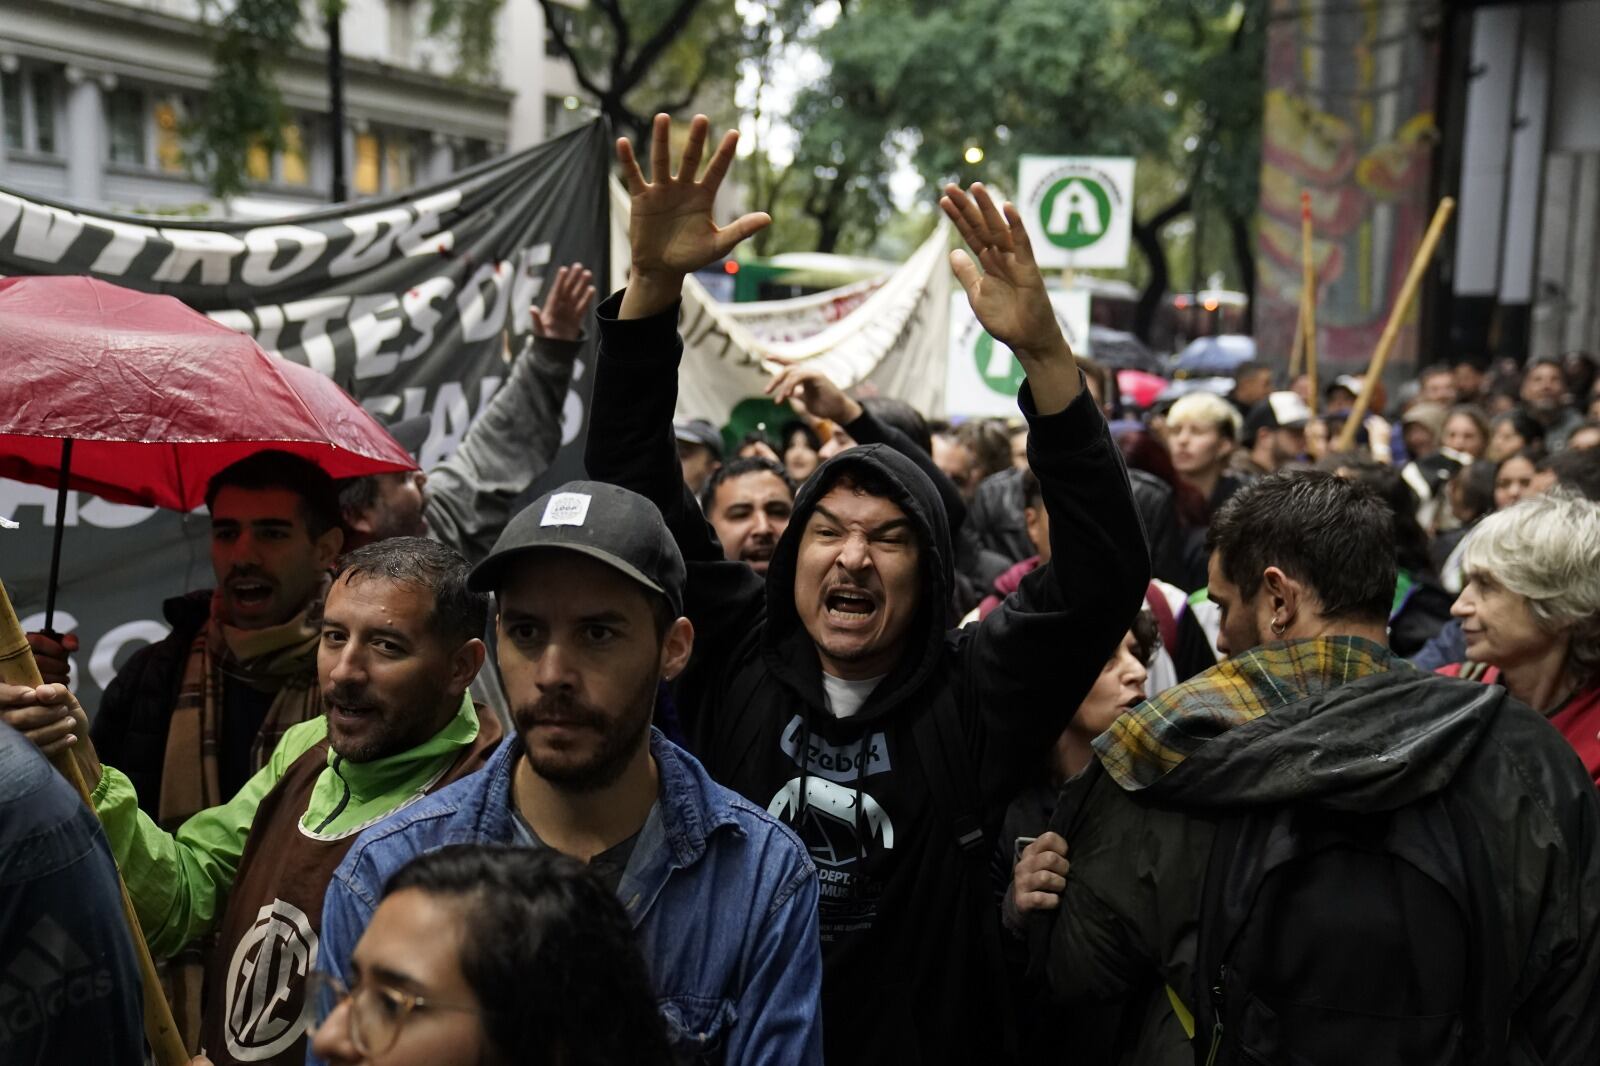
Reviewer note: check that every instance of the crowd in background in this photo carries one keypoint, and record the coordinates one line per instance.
(1087, 736)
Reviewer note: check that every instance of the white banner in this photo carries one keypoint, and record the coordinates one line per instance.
(886, 335)
(982, 376)
(1078, 210)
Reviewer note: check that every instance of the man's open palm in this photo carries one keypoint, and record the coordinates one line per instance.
(672, 230)
(1008, 295)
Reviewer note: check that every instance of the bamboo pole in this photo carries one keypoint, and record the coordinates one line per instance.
(1298, 347)
(18, 668)
(1391, 329)
(1308, 299)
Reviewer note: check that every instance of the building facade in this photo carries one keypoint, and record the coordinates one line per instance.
(1527, 252)
(95, 97)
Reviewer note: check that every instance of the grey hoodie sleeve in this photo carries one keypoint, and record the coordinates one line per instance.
(514, 440)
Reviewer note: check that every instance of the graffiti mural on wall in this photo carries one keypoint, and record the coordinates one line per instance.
(1349, 118)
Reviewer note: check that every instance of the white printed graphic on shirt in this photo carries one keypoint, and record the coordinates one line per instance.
(267, 973)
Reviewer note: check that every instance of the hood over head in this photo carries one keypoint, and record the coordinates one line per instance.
(789, 649)
(1375, 744)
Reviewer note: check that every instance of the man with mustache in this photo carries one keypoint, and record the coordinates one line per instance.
(397, 645)
(589, 589)
(833, 693)
(191, 717)
(748, 502)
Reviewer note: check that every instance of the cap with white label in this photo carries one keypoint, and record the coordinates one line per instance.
(605, 522)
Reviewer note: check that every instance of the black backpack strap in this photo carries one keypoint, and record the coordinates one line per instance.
(953, 788)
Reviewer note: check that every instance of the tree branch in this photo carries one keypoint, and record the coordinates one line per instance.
(689, 96)
(651, 50)
(624, 39)
(558, 33)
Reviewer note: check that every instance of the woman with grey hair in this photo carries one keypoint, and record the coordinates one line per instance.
(1530, 612)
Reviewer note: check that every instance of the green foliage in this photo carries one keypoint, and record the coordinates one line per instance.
(1175, 83)
(639, 57)
(243, 106)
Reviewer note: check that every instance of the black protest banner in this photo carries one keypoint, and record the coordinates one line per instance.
(409, 302)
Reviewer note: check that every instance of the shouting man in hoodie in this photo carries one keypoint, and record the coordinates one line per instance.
(1324, 854)
(832, 693)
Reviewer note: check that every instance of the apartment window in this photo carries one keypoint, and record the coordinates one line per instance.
(368, 178)
(470, 153)
(399, 162)
(168, 115)
(287, 166)
(11, 100)
(44, 111)
(29, 97)
(125, 115)
(292, 166)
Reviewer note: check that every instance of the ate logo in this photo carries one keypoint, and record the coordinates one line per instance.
(1075, 212)
(999, 369)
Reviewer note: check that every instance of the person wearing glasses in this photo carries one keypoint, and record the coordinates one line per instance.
(492, 955)
(590, 595)
(397, 647)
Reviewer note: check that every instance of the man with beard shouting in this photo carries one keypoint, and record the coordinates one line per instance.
(833, 693)
(589, 590)
(397, 647)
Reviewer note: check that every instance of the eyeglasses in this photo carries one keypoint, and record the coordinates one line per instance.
(377, 1012)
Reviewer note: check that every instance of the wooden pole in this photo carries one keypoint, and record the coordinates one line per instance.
(1308, 299)
(18, 668)
(1391, 329)
(1298, 347)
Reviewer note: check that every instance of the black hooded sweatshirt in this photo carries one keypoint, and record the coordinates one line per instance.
(906, 977)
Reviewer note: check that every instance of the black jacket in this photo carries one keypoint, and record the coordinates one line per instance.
(903, 919)
(1132, 901)
(996, 524)
(130, 728)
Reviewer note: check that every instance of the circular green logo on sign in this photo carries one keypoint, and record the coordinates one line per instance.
(999, 369)
(1075, 213)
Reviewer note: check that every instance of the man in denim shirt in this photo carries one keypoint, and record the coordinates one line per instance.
(589, 588)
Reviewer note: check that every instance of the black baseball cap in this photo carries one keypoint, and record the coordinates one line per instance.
(605, 522)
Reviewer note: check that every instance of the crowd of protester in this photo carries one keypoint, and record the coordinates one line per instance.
(1101, 734)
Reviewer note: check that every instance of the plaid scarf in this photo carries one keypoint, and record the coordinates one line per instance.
(280, 659)
(1146, 743)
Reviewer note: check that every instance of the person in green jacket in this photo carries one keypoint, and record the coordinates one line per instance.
(398, 647)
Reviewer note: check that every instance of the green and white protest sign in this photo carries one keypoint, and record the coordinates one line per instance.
(1078, 209)
(982, 375)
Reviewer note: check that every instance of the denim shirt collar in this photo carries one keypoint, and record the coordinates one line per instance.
(687, 814)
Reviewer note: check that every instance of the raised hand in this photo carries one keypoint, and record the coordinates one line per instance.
(1008, 294)
(812, 392)
(561, 317)
(671, 230)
